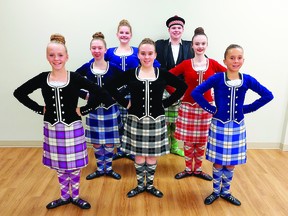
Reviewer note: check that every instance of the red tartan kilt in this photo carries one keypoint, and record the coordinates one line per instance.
(192, 124)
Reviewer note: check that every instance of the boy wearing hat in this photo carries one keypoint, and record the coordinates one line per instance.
(170, 53)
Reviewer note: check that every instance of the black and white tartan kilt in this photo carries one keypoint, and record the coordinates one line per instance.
(145, 137)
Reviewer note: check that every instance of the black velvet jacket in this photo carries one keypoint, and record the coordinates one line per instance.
(146, 95)
(61, 102)
(101, 80)
(165, 55)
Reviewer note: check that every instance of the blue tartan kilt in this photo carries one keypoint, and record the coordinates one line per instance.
(123, 110)
(103, 126)
(227, 143)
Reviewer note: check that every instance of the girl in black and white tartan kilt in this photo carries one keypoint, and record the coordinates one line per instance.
(145, 131)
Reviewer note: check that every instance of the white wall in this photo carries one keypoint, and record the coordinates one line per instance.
(259, 26)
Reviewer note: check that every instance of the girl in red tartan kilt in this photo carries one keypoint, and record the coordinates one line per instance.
(193, 122)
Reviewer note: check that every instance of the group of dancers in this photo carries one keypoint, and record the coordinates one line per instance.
(142, 100)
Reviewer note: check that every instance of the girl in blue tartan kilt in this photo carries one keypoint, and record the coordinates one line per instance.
(103, 125)
(226, 145)
(64, 146)
(145, 131)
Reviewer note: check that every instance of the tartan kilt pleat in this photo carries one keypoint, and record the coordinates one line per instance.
(192, 124)
(123, 110)
(123, 113)
(171, 112)
(145, 137)
(227, 143)
(103, 126)
(64, 147)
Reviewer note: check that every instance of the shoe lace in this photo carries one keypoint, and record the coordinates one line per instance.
(232, 198)
(212, 196)
(80, 201)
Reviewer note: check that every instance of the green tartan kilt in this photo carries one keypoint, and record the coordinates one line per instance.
(171, 113)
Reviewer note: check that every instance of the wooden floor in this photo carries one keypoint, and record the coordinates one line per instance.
(27, 186)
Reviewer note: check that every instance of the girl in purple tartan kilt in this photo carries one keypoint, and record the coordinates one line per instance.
(64, 146)
(226, 146)
(145, 131)
(104, 123)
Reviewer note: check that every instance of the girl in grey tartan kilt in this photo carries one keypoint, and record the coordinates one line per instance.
(145, 131)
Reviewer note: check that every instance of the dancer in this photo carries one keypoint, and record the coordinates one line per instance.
(124, 57)
(104, 123)
(145, 131)
(193, 122)
(227, 146)
(64, 146)
(171, 52)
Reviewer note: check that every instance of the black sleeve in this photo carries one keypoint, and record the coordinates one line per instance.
(82, 71)
(178, 84)
(97, 95)
(23, 91)
(115, 85)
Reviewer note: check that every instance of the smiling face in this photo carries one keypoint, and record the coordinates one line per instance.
(146, 55)
(234, 59)
(57, 56)
(124, 34)
(199, 44)
(98, 49)
(176, 32)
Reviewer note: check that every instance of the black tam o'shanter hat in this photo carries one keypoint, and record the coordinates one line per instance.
(175, 20)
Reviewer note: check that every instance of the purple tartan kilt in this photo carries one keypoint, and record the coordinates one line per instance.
(64, 147)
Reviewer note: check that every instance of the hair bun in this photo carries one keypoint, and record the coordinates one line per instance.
(58, 38)
(98, 35)
(124, 22)
(199, 31)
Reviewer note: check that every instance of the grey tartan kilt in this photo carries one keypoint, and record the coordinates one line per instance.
(145, 137)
